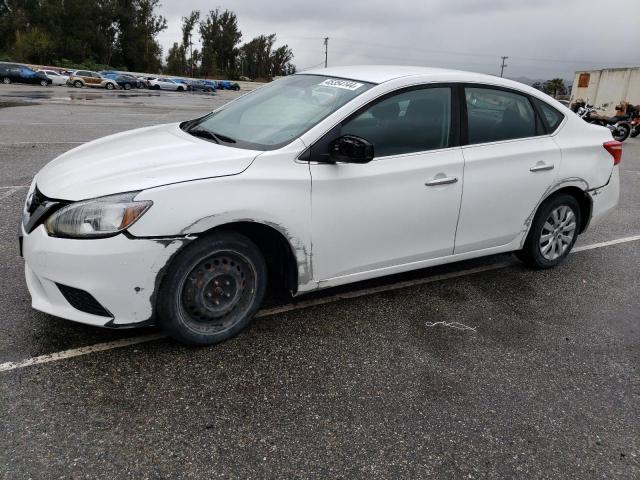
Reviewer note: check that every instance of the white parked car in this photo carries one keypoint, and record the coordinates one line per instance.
(315, 180)
(55, 77)
(166, 84)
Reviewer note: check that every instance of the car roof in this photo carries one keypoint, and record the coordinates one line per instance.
(385, 73)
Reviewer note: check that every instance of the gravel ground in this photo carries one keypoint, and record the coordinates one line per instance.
(545, 384)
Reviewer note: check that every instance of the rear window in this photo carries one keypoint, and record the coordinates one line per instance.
(552, 116)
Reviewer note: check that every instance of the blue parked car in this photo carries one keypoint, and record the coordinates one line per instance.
(227, 85)
(209, 85)
(12, 72)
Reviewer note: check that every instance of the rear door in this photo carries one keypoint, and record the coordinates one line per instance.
(402, 207)
(510, 162)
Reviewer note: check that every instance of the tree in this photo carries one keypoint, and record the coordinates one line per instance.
(174, 60)
(554, 87)
(188, 23)
(281, 61)
(259, 60)
(138, 25)
(220, 36)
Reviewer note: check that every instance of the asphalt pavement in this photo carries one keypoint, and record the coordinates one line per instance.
(540, 379)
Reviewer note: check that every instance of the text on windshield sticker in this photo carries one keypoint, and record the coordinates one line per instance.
(344, 84)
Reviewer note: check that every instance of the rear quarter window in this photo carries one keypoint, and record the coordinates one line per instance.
(552, 116)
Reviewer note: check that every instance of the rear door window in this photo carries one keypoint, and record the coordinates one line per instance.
(495, 115)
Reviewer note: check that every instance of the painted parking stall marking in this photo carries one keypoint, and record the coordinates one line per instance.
(100, 347)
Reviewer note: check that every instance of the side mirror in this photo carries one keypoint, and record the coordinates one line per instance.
(351, 149)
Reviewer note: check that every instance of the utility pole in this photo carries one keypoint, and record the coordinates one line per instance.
(326, 47)
(503, 66)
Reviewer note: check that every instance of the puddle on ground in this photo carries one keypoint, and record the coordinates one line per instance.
(33, 96)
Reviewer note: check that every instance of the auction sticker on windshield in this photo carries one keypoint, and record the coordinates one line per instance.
(345, 84)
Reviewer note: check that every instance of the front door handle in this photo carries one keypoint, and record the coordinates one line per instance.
(441, 181)
(541, 167)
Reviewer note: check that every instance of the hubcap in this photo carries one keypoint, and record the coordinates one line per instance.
(218, 288)
(557, 232)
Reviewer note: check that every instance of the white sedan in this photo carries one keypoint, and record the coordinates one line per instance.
(55, 77)
(318, 179)
(166, 84)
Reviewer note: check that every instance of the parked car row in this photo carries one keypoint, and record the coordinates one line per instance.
(108, 79)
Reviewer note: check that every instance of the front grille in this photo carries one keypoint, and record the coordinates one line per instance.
(37, 200)
(40, 208)
(83, 301)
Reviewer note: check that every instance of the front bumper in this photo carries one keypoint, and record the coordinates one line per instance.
(120, 273)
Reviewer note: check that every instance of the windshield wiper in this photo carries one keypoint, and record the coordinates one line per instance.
(202, 133)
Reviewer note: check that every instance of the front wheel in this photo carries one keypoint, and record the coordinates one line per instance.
(44, 83)
(6, 80)
(212, 289)
(553, 232)
(635, 131)
(77, 84)
(127, 86)
(109, 86)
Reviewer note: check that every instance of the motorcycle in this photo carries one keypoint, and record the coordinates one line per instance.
(619, 125)
(635, 122)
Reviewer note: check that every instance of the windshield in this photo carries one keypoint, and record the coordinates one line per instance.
(272, 116)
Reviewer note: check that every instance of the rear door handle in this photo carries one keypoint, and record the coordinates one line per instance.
(541, 167)
(441, 181)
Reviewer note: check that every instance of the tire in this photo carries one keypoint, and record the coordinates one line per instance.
(44, 83)
(558, 219)
(109, 86)
(6, 80)
(77, 84)
(621, 132)
(212, 289)
(635, 132)
(180, 89)
(127, 86)
(156, 87)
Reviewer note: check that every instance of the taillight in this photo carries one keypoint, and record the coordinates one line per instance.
(615, 149)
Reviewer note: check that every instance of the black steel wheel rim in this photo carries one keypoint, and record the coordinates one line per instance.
(218, 291)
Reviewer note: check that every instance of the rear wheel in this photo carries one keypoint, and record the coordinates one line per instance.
(212, 289)
(127, 86)
(553, 232)
(6, 80)
(44, 83)
(109, 86)
(180, 89)
(621, 132)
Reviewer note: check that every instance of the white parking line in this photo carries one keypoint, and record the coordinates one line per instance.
(44, 143)
(8, 191)
(100, 347)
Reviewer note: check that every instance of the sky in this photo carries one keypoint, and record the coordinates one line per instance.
(542, 38)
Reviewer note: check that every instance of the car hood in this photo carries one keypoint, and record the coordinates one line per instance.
(136, 160)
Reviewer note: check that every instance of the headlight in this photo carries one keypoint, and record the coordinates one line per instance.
(100, 217)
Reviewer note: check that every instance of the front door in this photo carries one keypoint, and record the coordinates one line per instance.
(402, 207)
